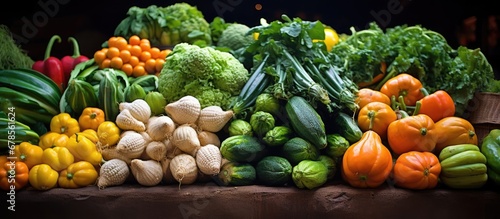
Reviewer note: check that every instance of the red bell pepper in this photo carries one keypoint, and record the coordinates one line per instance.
(69, 62)
(51, 66)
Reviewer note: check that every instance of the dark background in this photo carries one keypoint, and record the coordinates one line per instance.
(92, 22)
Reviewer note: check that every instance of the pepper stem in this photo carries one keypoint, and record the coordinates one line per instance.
(76, 47)
(424, 91)
(50, 44)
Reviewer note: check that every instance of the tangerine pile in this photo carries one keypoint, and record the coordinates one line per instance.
(135, 56)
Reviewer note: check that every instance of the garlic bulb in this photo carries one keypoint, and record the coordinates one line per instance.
(139, 109)
(147, 172)
(209, 159)
(131, 145)
(185, 138)
(183, 168)
(125, 120)
(113, 172)
(213, 118)
(185, 110)
(207, 137)
(160, 127)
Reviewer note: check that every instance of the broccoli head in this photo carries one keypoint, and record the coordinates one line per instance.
(212, 76)
(235, 36)
(186, 23)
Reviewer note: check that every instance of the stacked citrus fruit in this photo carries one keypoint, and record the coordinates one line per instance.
(135, 56)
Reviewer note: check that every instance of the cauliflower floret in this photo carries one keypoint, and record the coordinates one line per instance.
(212, 76)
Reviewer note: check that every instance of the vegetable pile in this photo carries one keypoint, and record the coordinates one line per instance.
(284, 103)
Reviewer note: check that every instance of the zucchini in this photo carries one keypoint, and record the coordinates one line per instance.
(306, 122)
(236, 174)
(274, 171)
(242, 148)
(298, 149)
(347, 127)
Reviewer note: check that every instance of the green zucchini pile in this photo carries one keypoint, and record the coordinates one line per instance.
(280, 143)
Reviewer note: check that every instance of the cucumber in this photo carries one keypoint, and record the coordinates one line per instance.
(242, 148)
(236, 174)
(305, 121)
(347, 127)
(274, 171)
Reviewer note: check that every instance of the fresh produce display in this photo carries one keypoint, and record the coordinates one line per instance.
(284, 103)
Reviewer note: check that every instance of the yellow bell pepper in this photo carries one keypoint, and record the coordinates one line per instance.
(53, 139)
(28, 153)
(59, 158)
(108, 133)
(91, 118)
(78, 175)
(84, 149)
(331, 38)
(43, 177)
(65, 124)
(91, 134)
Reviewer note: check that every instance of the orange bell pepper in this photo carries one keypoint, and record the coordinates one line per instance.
(13, 174)
(437, 105)
(91, 118)
(404, 85)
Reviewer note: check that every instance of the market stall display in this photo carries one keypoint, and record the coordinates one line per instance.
(289, 107)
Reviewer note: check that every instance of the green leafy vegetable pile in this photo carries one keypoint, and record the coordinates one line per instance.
(415, 50)
(167, 26)
(287, 62)
(11, 55)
